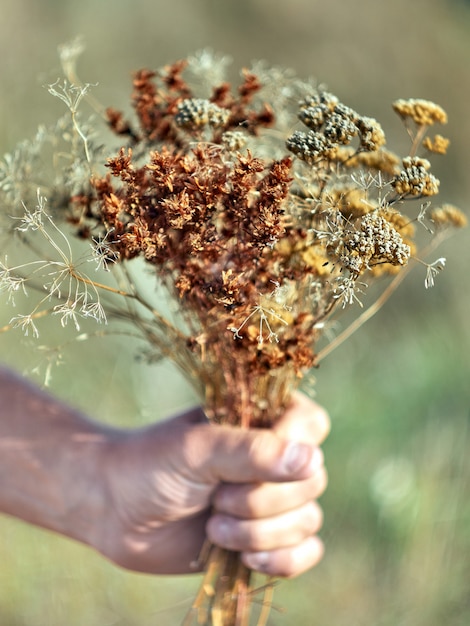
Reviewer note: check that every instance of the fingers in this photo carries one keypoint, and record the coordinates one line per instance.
(286, 562)
(274, 524)
(280, 531)
(267, 499)
(283, 545)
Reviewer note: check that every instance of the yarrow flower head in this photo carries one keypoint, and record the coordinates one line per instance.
(374, 241)
(333, 124)
(422, 112)
(415, 179)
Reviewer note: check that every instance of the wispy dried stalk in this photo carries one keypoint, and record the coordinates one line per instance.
(260, 235)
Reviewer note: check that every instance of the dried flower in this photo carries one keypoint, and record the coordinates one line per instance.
(9, 282)
(310, 147)
(422, 112)
(373, 242)
(448, 215)
(372, 135)
(415, 179)
(258, 237)
(438, 144)
(194, 113)
(432, 269)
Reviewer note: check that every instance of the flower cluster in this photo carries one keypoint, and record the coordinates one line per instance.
(421, 112)
(374, 241)
(415, 179)
(196, 112)
(331, 124)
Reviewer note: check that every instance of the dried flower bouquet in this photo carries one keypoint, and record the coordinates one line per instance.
(263, 211)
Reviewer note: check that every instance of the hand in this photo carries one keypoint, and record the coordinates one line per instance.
(252, 491)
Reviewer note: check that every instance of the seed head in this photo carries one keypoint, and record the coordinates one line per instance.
(414, 179)
(195, 113)
(234, 140)
(374, 241)
(309, 147)
(314, 116)
(371, 133)
(323, 99)
(339, 129)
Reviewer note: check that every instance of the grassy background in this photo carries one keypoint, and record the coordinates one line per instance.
(397, 525)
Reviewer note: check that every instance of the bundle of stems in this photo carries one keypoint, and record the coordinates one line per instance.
(260, 233)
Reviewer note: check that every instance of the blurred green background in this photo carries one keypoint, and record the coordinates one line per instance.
(397, 511)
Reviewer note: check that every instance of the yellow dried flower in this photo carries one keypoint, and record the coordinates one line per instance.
(438, 144)
(382, 160)
(448, 215)
(314, 257)
(422, 112)
(401, 223)
(351, 202)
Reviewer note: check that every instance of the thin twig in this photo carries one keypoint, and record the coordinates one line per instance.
(378, 304)
(364, 317)
(36, 315)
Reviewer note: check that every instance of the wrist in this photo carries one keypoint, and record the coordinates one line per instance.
(84, 487)
(50, 461)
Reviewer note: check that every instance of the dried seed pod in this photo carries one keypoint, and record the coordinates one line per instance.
(195, 113)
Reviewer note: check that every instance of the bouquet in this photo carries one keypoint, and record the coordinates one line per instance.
(263, 211)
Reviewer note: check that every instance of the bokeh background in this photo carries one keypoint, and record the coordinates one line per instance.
(397, 512)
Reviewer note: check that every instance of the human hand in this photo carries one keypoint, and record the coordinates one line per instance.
(167, 485)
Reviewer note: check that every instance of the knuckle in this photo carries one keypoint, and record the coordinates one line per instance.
(320, 482)
(251, 538)
(315, 518)
(289, 567)
(301, 558)
(261, 446)
(323, 423)
(250, 508)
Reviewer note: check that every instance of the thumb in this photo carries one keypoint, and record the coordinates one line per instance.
(234, 455)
